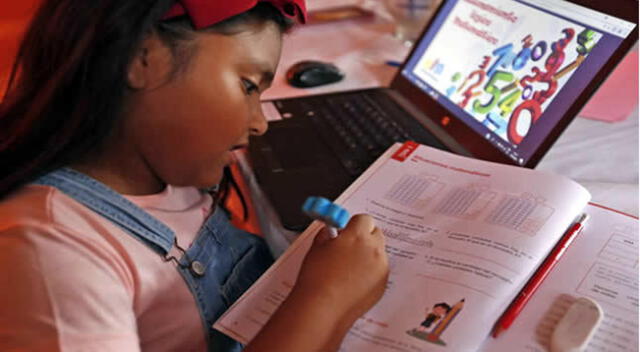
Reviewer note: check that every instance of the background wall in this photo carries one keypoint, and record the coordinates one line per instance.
(14, 18)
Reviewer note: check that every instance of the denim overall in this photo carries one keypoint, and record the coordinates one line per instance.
(220, 265)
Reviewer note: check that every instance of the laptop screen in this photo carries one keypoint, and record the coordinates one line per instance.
(510, 69)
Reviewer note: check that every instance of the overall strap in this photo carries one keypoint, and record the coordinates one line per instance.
(113, 206)
(227, 260)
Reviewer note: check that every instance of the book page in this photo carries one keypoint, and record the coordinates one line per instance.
(463, 236)
(602, 264)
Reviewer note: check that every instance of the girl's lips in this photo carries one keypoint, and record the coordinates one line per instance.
(229, 156)
(237, 147)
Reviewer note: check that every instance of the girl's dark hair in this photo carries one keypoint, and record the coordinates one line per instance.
(68, 86)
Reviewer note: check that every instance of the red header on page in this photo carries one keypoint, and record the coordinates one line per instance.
(403, 153)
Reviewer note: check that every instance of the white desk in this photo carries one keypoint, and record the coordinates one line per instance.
(601, 156)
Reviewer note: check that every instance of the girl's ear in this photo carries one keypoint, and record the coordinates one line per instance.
(150, 65)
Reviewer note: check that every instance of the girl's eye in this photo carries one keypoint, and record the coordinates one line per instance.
(250, 87)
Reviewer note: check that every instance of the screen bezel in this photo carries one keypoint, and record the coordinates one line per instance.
(475, 143)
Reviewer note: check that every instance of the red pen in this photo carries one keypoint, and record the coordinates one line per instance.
(534, 282)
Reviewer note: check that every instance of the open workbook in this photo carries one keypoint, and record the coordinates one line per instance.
(463, 236)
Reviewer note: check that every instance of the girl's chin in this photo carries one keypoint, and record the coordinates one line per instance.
(215, 180)
(212, 175)
(208, 179)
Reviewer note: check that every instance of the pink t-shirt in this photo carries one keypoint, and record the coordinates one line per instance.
(70, 280)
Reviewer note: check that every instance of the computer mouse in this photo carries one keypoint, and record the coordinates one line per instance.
(307, 74)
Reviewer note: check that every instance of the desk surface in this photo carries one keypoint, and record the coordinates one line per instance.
(602, 156)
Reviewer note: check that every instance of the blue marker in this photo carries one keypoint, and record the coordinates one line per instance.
(333, 215)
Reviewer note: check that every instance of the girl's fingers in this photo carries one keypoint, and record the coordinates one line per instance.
(378, 233)
(363, 222)
(323, 235)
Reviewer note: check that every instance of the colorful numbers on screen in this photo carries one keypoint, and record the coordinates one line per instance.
(504, 92)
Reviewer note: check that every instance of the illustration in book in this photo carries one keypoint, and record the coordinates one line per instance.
(441, 314)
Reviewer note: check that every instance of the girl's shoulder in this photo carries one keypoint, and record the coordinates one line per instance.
(40, 224)
(42, 215)
(41, 206)
(31, 204)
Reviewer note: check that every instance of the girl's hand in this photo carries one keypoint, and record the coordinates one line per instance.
(339, 281)
(349, 272)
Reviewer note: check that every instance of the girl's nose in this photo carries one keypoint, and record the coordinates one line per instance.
(258, 125)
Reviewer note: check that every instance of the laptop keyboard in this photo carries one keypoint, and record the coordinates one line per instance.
(359, 127)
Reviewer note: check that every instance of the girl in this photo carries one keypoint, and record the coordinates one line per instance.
(119, 113)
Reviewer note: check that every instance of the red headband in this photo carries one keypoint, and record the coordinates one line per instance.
(204, 13)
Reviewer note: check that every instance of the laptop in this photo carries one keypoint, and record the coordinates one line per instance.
(496, 80)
